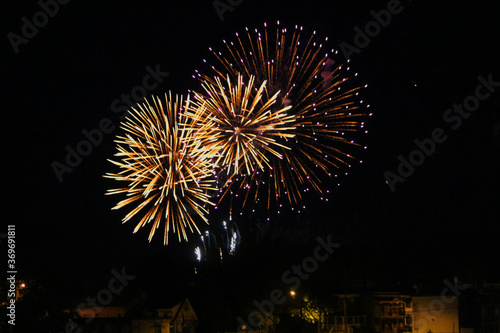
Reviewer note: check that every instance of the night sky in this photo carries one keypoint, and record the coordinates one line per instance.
(442, 221)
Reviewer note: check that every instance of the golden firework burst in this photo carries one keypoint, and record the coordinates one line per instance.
(168, 171)
(245, 126)
(324, 103)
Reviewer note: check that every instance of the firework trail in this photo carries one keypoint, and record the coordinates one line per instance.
(225, 241)
(169, 173)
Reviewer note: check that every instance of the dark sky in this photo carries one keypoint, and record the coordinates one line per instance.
(64, 80)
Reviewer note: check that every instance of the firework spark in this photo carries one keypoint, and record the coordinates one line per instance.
(168, 171)
(325, 107)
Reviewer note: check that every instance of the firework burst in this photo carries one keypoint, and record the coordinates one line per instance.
(169, 173)
(246, 127)
(324, 103)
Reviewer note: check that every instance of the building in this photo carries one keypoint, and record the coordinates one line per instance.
(482, 309)
(106, 319)
(435, 314)
(348, 314)
(490, 314)
(392, 312)
(178, 318)
(349, 324)
(372, 312)
(107, 312)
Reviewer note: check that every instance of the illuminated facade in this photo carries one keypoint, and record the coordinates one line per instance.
(436, 314)
(374, 312)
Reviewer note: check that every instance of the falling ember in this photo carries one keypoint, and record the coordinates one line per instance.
(168, 172)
